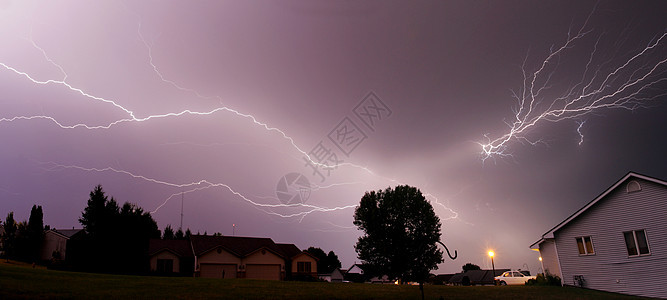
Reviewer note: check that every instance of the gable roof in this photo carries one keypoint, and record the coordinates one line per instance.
(179, 247)
(292, 251)
(550, 234)
(237, 245)
(289, 250)
(69, 232)
(66, 233)
(358, 266)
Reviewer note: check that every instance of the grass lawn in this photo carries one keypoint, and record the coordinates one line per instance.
(21, 281)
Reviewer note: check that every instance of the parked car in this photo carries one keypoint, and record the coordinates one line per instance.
(512, 278)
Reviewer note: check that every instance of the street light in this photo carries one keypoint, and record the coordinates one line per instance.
(542, 264)
(491, 254)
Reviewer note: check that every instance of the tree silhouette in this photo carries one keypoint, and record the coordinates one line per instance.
(326, 263)
(180, 236)
(400, 234)
(9, 237)
(35, 233)
(470, 266)
(117, 238)
(168, 233)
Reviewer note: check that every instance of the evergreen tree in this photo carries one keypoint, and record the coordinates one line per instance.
(35, 233)
(179, 234)
(8, 239)
(168, 233)
(117, 238)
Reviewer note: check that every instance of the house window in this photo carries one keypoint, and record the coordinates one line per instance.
(303, 267)
(165, 265)
(636, 243)
(585, 245)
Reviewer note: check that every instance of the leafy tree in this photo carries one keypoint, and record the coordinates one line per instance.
(320, 255)
(326, 263)
(332, 261)
(470, 266)
(401, 230)
(135, 228)
(188, 233)
(168, 233)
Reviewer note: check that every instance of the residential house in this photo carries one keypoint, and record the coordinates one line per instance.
(299, 264)
(616, 242)
(335, 276)
(355, 273)
(56, 242)
(235, 257)
(171, 257)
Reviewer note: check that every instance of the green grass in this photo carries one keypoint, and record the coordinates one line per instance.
(23, 282)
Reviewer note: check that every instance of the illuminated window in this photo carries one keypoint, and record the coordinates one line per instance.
(585, 245)
(303, 267)
(636, 243)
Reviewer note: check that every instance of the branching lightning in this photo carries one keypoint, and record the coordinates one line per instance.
(202, 185)
(627, 83)
(305, 209)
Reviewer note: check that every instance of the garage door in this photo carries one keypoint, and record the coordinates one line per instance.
(267, 272)
(217, 271)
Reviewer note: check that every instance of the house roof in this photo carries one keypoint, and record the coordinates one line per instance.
(69, 232)
(240, 246)
(237, 245)
(181, 248)
(289, 250)
(66, 233)
(550, 234)
(359, 266)
(337, 271)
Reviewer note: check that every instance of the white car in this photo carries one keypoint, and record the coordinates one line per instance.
(513, 278)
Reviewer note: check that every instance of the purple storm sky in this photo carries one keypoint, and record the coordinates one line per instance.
(447, 70)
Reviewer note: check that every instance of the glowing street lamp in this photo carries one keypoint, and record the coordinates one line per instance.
(542, 264)
(491, 254)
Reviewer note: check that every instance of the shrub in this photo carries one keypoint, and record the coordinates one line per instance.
(541, 279)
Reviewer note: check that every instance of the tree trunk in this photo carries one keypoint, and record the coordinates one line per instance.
(421, 288)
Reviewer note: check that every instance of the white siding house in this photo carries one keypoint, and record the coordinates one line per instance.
(615, 243)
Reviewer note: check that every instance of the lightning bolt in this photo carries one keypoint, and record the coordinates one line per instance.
(132, 117)
(203, 185)
(581, 135)
(628, 83)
